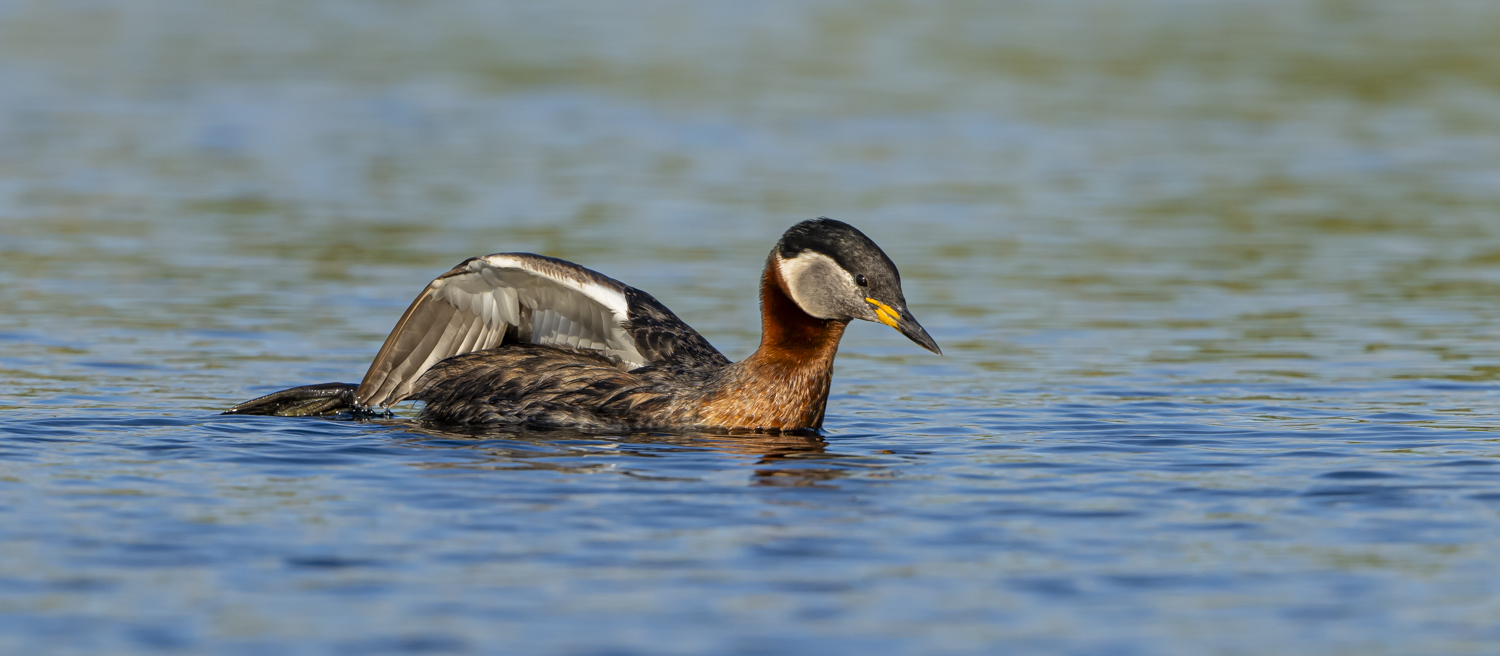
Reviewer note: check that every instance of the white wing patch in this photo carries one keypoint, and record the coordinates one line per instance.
(470, 308)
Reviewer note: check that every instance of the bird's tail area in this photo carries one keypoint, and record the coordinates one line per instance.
(305, 401)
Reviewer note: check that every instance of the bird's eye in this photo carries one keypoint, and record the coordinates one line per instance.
(861, 281)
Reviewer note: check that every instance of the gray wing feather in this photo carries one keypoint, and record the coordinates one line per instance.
(471, 308)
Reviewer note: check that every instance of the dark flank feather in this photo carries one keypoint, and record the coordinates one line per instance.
(543, 386)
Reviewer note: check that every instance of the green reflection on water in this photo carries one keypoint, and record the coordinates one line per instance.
(1264, 190)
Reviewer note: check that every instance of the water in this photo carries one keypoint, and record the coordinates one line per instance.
(1215, 283)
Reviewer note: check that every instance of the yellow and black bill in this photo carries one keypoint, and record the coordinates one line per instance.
(903, 322)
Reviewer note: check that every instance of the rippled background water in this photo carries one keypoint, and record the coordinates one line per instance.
(1216, 282)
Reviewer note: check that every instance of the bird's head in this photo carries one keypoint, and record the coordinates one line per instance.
(833, 271)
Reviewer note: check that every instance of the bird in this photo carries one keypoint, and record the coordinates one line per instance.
(519, 339)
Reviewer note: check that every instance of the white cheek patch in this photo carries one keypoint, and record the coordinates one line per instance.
(816, 283)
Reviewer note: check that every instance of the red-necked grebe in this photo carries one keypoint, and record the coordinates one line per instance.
(517, 338)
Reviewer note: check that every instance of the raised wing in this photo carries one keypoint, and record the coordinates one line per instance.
(530, 298)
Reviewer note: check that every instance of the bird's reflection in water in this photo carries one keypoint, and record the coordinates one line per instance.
(784, 459)
(788, 459)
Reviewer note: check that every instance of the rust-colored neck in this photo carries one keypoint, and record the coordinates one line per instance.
(786, 332)
(785, 383)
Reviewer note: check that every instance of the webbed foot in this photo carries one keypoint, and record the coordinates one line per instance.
(304, 401)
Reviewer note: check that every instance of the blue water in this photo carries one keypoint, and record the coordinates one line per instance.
(1216, 285)
(1151, 524)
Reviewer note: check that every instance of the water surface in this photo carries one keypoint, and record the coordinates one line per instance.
(1215, 282)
